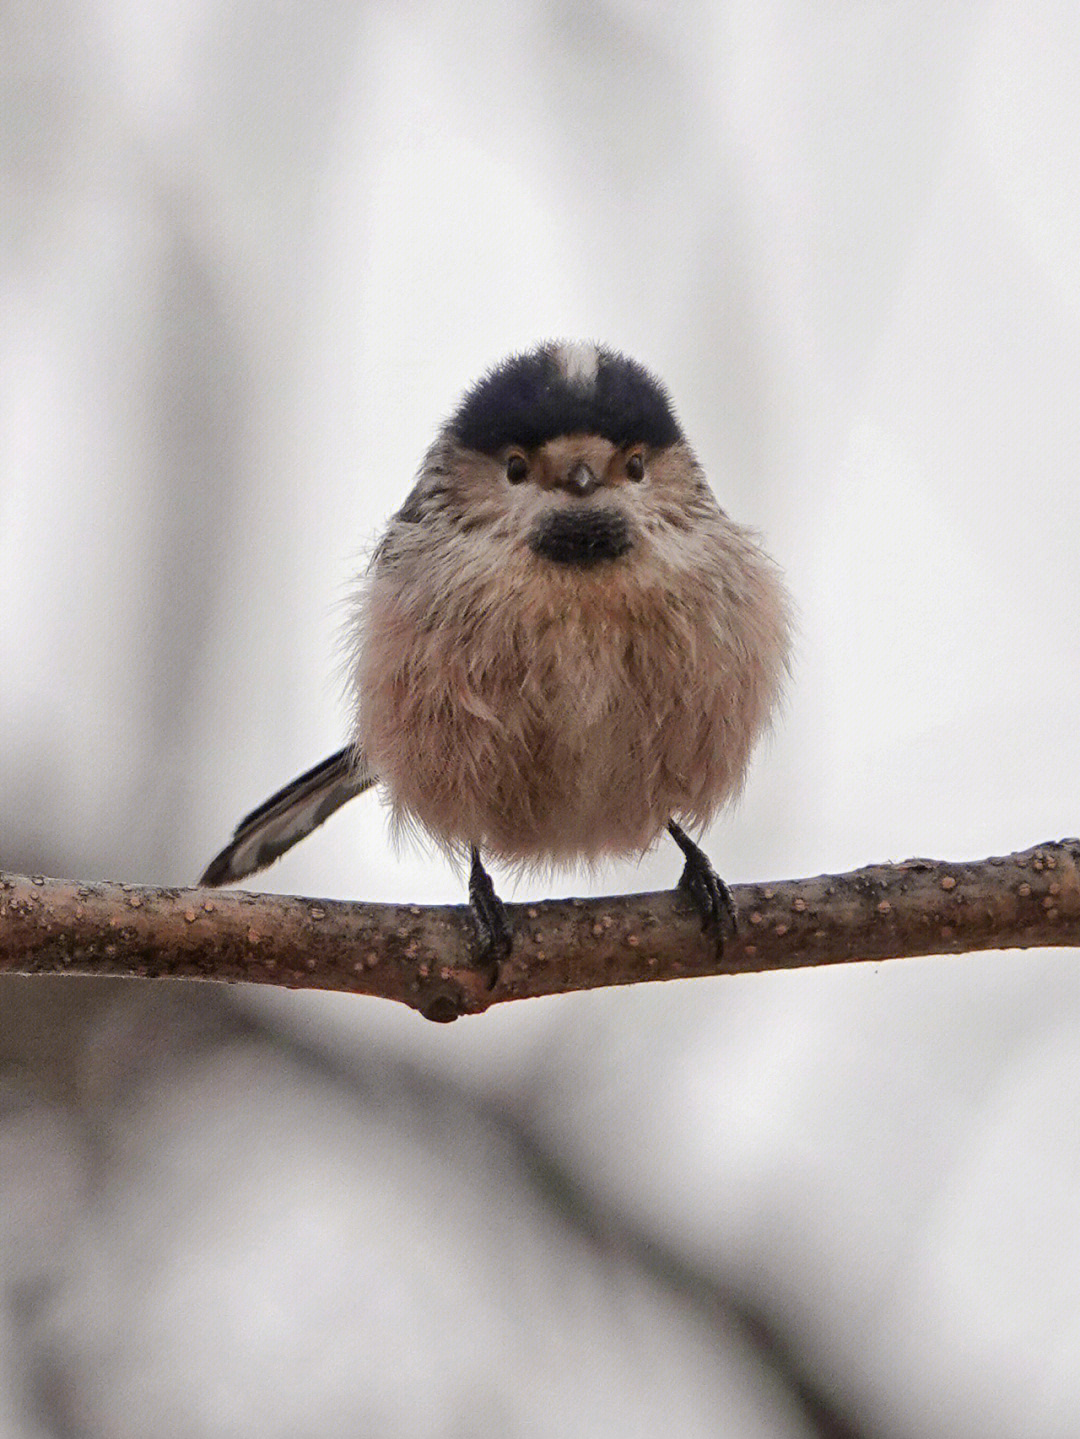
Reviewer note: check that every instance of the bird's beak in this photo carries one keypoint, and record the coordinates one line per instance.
(581, 480)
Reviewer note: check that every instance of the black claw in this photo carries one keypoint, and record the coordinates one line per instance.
(710, 894)
(492, 921)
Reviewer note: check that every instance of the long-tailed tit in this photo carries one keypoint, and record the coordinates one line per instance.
(563, 645)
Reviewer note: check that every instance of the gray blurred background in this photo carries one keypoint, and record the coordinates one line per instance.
(249, 256)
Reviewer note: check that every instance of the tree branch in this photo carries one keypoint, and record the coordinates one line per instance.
(423, 956)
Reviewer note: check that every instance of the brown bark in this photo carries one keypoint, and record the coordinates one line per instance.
(424, 956)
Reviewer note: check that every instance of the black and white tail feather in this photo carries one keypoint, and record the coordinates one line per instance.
(288, 816)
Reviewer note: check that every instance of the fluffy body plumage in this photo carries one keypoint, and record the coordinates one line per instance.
(545, 712)
(549, 666)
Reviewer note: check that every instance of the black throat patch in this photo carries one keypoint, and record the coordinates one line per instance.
(581, 537)
(530, 399)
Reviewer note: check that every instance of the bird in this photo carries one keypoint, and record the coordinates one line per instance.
(562, 646)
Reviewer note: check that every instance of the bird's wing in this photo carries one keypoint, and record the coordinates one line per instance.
(286, 817)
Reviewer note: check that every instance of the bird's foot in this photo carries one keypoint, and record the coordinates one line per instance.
(710, 894)
(491, 919)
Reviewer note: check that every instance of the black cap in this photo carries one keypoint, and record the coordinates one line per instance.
(565, 389)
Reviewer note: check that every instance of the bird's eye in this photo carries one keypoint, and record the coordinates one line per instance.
(517, 467)
(635, 466)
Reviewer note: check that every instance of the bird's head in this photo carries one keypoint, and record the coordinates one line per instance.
(570, 451)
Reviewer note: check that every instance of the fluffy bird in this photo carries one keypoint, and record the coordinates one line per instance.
(563, 645)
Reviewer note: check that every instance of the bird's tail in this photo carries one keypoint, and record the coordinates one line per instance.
(286, 817)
